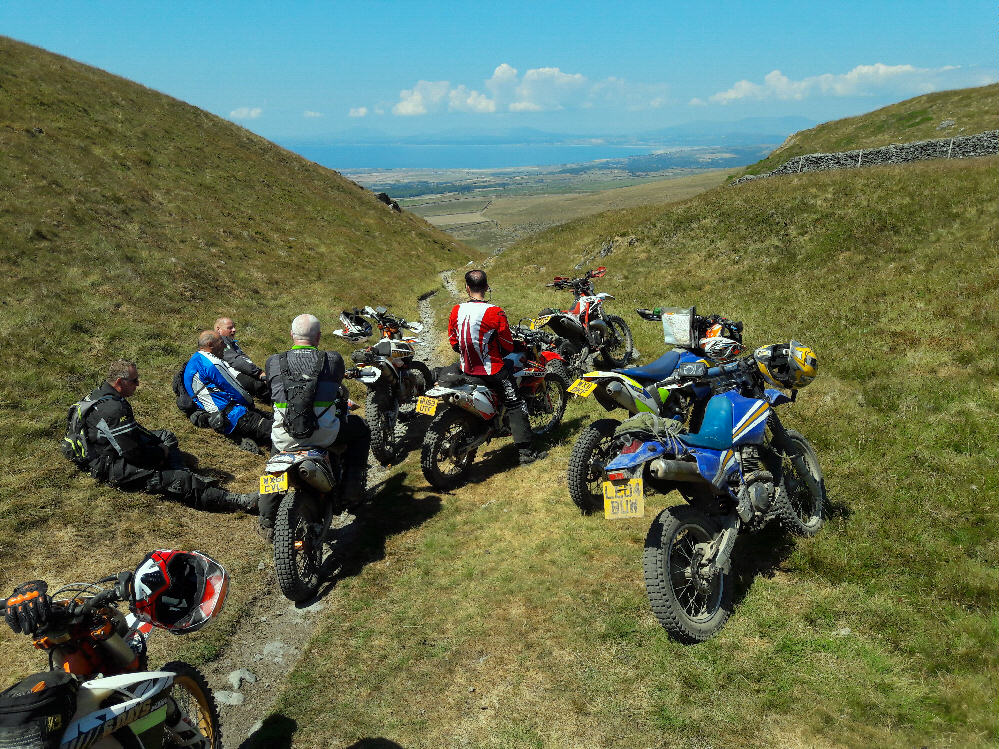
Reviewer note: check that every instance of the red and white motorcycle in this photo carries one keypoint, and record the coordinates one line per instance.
(586, 329)
(468, 413)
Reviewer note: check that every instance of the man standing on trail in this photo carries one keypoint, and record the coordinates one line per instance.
(130, 457)
(480, 333)
(326, 368)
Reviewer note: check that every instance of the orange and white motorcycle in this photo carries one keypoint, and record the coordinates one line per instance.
(468, 413)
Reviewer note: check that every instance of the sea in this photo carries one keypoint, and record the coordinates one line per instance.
(465, 156)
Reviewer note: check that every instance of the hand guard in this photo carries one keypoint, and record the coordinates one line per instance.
(29, 608)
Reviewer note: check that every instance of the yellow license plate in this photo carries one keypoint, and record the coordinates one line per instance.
(425, 405)
(271, 484)
(624, 499)
(582, 388)
(540, 321)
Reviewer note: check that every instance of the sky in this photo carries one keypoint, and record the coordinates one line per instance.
(317, 70)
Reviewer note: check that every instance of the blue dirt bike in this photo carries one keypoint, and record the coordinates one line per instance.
(695, 338)
(738, 468)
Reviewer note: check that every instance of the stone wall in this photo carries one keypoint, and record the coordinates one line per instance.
(963, 147)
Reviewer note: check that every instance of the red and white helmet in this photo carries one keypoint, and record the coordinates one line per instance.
(179, 590)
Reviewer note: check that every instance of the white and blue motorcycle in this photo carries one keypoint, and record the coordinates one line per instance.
(737, 467)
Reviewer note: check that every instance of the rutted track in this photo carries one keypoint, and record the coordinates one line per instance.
(269, 639)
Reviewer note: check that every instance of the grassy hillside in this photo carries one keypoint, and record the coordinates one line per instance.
(973, 110)
(509, 620)
(130, 221)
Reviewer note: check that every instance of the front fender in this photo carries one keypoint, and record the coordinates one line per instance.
(370, 375)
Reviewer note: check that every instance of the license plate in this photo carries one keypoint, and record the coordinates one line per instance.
(540, 321)
(624, 499)
(426, 405)
(582, 388)
(271, 484)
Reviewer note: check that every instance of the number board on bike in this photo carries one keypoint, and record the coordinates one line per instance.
(539, 322)
(272, 484)
(624, 499)
(582, 388)
(426, 405)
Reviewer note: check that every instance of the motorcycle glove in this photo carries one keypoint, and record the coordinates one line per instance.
(29, 608)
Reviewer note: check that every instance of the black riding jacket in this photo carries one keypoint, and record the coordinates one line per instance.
(112, 432)
(236, 358)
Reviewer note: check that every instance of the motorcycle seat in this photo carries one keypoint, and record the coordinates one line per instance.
(660, 369)
(452, 375)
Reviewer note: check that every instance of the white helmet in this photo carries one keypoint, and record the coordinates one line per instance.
(720, 348)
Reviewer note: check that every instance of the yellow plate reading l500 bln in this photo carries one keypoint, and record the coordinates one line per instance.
(425, 405)
(271, 484)
(582, 388)
(624, 499)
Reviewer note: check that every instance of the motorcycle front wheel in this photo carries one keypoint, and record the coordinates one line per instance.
(547, 406)
(194, 708)
(590, 454)
(298, 547)
(618, 350)
(801, 498)
(444, 460)
(691, 606)
(381, 416)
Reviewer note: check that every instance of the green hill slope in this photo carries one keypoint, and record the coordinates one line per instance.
(972, 110)
(129, 222)
(880, 631)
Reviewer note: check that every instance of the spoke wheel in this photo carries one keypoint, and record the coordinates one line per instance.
(592, 451)
(298, 547)
(444, 459)
(691, 606)
(547, 406)
(618, 350)
(801, 495)
(196, 712)
(381, 416)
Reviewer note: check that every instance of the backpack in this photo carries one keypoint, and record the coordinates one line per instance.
(184, 401)
(74, 444)
(300, 419)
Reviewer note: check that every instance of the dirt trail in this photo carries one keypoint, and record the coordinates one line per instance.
(248, 677)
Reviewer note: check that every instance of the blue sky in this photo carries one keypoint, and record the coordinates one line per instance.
(311, 69)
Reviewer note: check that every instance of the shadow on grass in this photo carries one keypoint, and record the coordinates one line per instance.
(276, 732)
(377, 743)
(759, 554)
(393, 508)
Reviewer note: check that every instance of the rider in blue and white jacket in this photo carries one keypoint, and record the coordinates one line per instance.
(213, 387)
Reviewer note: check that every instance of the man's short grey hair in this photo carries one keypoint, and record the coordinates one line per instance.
(305, 328)
(208, 339)
(120, 370)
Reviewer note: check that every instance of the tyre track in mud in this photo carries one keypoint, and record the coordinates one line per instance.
(271, 636)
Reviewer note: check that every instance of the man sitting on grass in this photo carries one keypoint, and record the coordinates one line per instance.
(228, 408)
(126, 455)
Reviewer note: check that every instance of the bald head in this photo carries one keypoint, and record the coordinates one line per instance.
(305, 330)
(210, 341)
(225, 327)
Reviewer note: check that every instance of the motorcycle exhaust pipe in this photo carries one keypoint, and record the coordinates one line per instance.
(620, 395)
(675, 470)
(599, 330)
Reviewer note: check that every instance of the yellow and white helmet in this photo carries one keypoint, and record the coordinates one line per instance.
(791, 366)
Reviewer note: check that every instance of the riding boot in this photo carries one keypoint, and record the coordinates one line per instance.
(213, 498)
(528, 454)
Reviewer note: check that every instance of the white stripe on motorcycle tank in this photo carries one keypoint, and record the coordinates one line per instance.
(751, 419)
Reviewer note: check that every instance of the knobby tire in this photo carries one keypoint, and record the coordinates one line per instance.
(590, 454)
(801, 499)
(195, 700)
(447, 429)
(297, 567)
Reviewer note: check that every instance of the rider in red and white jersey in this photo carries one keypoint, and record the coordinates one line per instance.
(478, 330)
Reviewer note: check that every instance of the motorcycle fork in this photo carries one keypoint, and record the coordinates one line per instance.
(716, 555)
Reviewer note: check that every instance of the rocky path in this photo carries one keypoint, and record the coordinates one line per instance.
(269, 639)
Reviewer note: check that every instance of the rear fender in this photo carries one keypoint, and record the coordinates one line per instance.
(628, 461)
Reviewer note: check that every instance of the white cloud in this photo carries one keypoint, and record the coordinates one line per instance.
(246, 113)
(424, 97)
(695, 102)
(537, 90)
(863, 80)
(310, 114)
(358, 111)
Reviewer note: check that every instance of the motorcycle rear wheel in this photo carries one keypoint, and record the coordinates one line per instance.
(546, 408)
(378, 413)
(690, 607)
(445, 465)
(590, 454)
(618, 351)
(298, 551)
(196, 706)
(801, 499)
